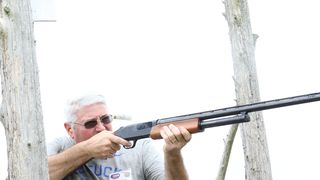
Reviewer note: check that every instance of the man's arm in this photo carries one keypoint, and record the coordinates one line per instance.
(102, 145)
(67, 161)
(174, 167)
(175, 139)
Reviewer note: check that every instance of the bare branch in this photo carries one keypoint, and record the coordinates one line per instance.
(227, 151)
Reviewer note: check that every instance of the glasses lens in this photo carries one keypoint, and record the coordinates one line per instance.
(90, 124)
(106, 119)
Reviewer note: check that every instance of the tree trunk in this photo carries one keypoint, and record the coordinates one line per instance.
(257, 162)
(21, 112)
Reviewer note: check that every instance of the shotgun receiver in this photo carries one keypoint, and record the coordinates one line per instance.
(197, 122)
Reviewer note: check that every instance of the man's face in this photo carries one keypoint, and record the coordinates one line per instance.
(81, 133)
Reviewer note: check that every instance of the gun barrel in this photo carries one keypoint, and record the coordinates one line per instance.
(259, 106)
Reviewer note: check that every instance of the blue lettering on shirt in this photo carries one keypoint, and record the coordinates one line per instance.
(98, 169)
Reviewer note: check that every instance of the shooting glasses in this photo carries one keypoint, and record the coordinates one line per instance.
(91, 123)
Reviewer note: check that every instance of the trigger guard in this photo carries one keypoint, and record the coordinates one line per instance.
(132, 146)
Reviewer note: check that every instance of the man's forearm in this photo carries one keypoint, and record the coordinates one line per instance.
(67, 161)
(174, 167)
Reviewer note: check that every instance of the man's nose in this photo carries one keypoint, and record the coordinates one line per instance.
(100, 126)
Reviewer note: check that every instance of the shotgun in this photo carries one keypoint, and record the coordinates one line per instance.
(197, 122)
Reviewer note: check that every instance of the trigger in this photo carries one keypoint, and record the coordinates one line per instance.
(133, 144)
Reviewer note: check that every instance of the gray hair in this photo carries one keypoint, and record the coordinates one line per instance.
(76, 104)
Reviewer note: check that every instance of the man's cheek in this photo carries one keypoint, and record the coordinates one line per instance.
(87, 134)
(83, 135)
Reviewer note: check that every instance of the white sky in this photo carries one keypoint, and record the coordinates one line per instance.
(156, 59)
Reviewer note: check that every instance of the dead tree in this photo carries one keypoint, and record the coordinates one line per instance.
(21, 112)
(256, 154)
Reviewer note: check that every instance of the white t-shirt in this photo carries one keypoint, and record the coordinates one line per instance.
(144, 162)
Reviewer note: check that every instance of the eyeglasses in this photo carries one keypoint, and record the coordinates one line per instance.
(91, 123)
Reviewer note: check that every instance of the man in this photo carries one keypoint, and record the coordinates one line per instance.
(94, 152)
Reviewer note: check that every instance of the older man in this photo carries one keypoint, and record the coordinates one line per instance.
(93, 152)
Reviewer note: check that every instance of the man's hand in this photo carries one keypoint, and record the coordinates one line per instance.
(175, 138)
(104, 145)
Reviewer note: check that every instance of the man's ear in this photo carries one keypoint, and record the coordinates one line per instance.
(69, 130)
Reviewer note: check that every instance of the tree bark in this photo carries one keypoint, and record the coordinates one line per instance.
(257, 162)
(21, 112)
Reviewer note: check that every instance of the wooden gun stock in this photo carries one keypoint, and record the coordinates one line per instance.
(192, 125)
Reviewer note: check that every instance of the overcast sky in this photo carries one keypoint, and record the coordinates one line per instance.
(156, 59)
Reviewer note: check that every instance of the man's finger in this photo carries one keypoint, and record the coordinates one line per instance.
(119, 140)
(168, 135)
(176, 132)
(185, 133)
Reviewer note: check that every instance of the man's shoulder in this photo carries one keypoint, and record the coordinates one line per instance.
(59, 144)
